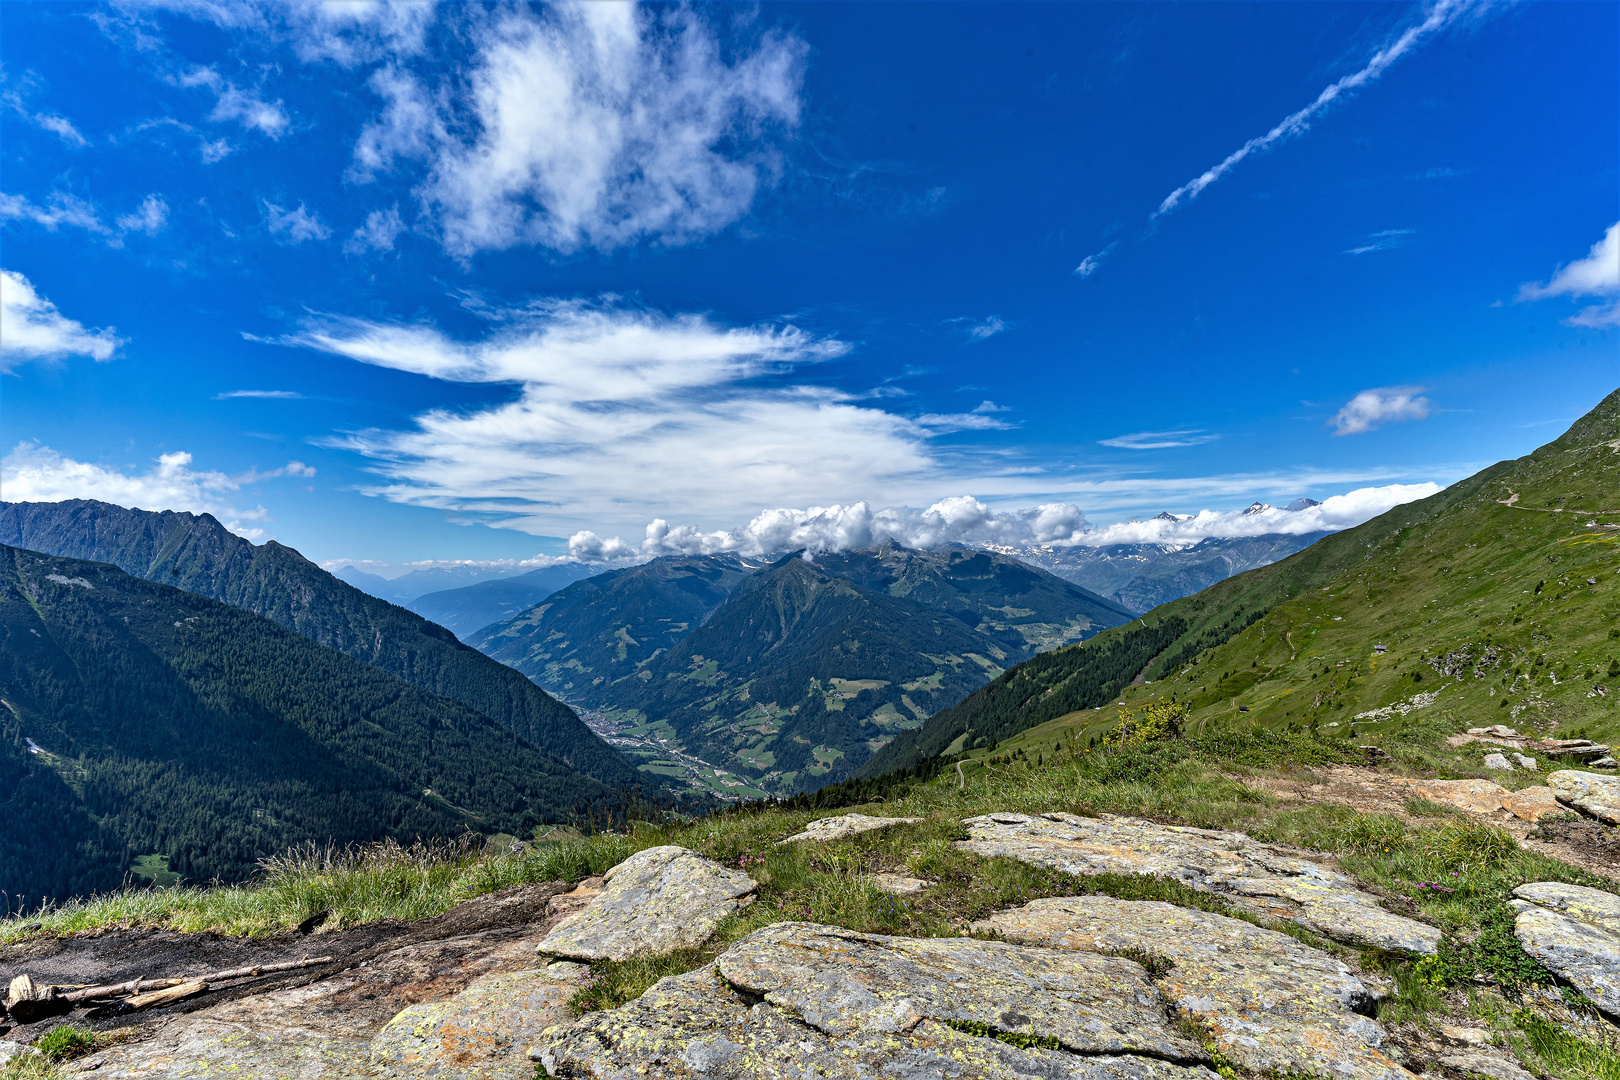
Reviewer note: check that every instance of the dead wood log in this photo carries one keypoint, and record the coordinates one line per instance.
(27, 1001)
(163, 997)
(136, 986)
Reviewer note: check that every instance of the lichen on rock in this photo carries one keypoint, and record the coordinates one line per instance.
(657, 900)
(1575, 932)
(1256, 877)
(836, 828)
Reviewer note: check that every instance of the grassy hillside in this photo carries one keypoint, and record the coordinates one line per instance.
(137, 718)
(1502, 589)
(198, 554)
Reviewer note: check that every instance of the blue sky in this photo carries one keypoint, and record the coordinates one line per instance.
(402, 282)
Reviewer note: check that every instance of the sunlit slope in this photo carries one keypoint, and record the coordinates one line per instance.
(1511, 573)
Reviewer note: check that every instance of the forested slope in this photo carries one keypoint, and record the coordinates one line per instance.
(175, 724)
(196, 553)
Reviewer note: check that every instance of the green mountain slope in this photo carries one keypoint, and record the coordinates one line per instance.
(139, 718)
(800, 675)
(1508, 578)
(467, 609)
(198, 554)
(604, 628)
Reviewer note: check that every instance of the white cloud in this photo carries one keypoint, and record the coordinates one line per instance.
(1092, 263)
(63, 209)
(957, 520)
(32, 329)
(289, 395)
(60, 126)
(1372, 409)
(1381, 241)
(66, 209)
(35, 473)
(351, 32)
(232, 103)
(1596, 275)
(1330, 515)
(297, 225)
(382, 227)
(979, 330)
(215, 150)
(148, 218)
(589, 125)
(1438, 16)
(1159, 440)
(966, 520)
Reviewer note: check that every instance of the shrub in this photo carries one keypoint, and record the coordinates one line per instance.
(1157, 721)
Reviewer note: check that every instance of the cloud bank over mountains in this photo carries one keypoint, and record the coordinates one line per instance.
(965, 520)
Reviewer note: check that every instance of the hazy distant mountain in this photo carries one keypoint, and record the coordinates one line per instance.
(789, 674)
(198, 554)
(407, 587)
(141, 718)
(1143, 576)
(471, 608)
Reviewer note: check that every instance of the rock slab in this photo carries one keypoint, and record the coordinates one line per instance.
(858, 1019)
(1256, 877)
(836, 828)
(1587, 792)
(1487, 797)
(1270, 1003)
(483, 1032)
(659, 899)
(1575, 932)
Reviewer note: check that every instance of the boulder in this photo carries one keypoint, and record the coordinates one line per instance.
(899, 884)
(1598, 796)
(484, 1031)
(1486, 797)
(10, 1050)
(1270, 1003)
(841, 982)
(659, 899)
(1497, 761)
(1575, 932)
(1255, 877)
(836, 828)
(867, 1007)
(1526, 762)
(1497, 1068)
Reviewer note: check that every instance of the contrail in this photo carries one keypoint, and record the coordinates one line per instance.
(1441, 15)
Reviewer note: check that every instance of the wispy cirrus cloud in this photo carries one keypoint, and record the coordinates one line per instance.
(66, 209)
(279, 395)
(1596, 275)
(31, 328)
(1092, 263)
(296, 225)
(1437, 17)
(1372, 409)
(1160, 440)
(1381, 241)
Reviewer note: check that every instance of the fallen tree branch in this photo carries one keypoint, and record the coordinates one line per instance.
(137, 986)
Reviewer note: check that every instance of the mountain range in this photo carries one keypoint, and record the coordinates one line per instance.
(1143, 576)
(139, 718)
(1497, 598)
(470, 608)
(196, 553)
(789, 674)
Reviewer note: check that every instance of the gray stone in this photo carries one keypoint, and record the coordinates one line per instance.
(1587, 792)
(1526, 762)
(841, 982)
(899, 884)
(698, 1025)
(836, 828)
(660, 899)
(1604, 762)
(1497, 761)
(10, 1050)
(1269, 1003)
(484, 1031)
(1252, 876)
(1498, 1068)
(1575, 932)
